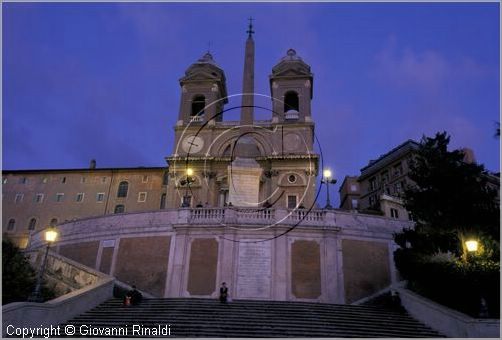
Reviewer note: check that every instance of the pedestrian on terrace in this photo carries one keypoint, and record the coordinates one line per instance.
(223, 293)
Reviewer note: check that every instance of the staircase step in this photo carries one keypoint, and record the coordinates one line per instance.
(252, 318)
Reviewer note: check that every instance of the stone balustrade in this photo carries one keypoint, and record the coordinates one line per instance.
(164, 221)
(259, 216)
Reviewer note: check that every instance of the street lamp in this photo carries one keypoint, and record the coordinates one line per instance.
(51, 235)
(327, 180)
(472, 246)
(187, 181)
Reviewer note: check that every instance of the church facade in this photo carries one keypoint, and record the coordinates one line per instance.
(240, 205)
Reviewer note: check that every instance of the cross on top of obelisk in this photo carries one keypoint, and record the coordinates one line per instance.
(250, 28)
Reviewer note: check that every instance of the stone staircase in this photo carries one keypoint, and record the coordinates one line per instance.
(249, 318)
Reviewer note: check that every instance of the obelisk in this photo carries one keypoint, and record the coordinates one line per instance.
(244, 173)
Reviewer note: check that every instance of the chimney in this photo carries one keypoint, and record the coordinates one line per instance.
(93, 164)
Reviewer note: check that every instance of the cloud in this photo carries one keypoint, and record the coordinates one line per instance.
(427, 70)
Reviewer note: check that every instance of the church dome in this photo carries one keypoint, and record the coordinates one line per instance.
(205, 67)
(291, 62)
(207, 58)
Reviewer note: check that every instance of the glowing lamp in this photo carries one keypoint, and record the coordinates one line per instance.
(51, 235)
(326, 173)
(189, 172)
(471, 245)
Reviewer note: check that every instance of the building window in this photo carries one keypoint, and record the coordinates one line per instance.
(291, 179)
(163, 201)
(373, 183)
(4, 180)
(372, 200)
(80, 197)
(353, 187)
(53, 222)
(119, 208)
(100, 196)
(355, 203)
(39, 198)
(63, 180)
(123, 188)
(165, 178)
(59, 197)
(198, 104)
(82, 180)
(144, 179)
(11, 225)
(23, 180)
(142, 196)
(32, 224)
(398, 170)
(385, 177)
(397, 188)
(394, 213)
(103, 179)
(291, 102)
(19, 198)
(45, 180)
(291, 201)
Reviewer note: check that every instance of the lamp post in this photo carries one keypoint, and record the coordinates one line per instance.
(189, 179)
(51, 235)
(472, 248)
(327, 180)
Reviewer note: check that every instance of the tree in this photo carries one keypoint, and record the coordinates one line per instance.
(450, 200)
(450, 196)
(18, 277)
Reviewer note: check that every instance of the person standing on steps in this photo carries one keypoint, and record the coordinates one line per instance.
(133, 297)
(223, 293)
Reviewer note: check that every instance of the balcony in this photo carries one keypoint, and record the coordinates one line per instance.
(197, 119)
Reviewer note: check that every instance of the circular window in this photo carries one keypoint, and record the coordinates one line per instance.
(291, 178)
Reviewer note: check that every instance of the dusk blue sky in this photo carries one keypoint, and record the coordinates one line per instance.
(95, 80)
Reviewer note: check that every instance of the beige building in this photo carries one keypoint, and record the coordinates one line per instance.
(382, 183)
(35, 199)
(349, 193)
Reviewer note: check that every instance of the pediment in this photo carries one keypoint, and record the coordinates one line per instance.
(292, 72)
(194, 76)
(291, 68)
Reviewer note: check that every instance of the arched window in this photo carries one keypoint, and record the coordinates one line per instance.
(12, 224)
(53, 222)
(291, 101)
(119, 208)
(32, 224)
(123, 188)
(198, 104)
